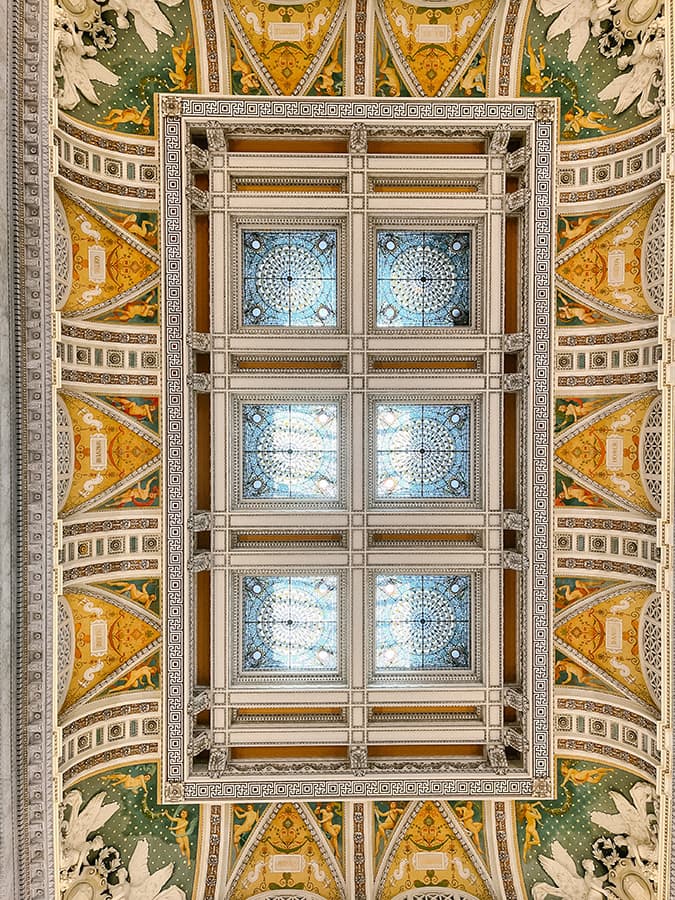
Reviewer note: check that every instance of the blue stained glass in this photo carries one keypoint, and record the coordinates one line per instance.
(422, 622)
(422, 451)
(290, 623)
(290, 278)
(290, 451)
(423, 279)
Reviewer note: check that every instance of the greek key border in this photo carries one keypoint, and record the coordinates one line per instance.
(541, 117)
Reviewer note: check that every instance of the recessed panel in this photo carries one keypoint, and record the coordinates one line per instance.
(290, 623)
(422, 451)
(290, 451)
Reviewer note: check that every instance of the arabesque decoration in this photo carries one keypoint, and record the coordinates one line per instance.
(602, 452)
(108, 451)
(287, 855)
(606, 633)
(428, 852)
(604, 268)
(437, 44)
(106, 637)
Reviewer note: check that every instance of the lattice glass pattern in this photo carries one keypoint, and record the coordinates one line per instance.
(423, 279)
(290, 451)
(290, 278)
(422, 622)
(290, 623)
(422, 451)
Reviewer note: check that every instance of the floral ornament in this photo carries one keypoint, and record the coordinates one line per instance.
(638, 44)
(82, 28)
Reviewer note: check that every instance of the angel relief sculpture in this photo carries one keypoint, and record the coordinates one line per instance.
(569, 884)
(90, 869)
(620, 862)
(83, 29)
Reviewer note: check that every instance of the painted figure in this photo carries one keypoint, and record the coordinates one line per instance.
(574, 232)
(144, 309)
(474, 77)
(139, 494)
(325, 83)
(139, 677)
(332, 829)
(247, 818)
(568, 311)
(129, 115)
(532, 816)
(582, 776)
(179, 76)
(465, 814)
(249, 80)
(136, 410)
(565, 595)
(387, 76)
(139, 596)
(577, 119)
(575, 492)
(386, 822)
(535, 81)
(180, 832)
(132, 783)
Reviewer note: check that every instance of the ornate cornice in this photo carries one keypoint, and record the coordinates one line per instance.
(29, 83)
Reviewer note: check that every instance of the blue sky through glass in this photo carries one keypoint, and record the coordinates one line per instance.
(290, 451)
(290, 623)
(422, 451)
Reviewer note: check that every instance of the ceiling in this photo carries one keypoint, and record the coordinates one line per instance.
(99, 633)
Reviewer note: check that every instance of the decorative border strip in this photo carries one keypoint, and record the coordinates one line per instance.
(541, 117)
(612, 753)
(29, 84)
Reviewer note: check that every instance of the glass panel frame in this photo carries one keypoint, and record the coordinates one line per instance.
(240, 299)
(408, 456)
(289, 278)
(242, 613)
(472, 227)
(245, 472)
(433, 574)
(423, 279)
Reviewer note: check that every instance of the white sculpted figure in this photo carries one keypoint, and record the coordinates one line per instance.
(81, 823)
(137, 883)
(569, 885)
(633, 821)
(148, 18)
(73, 63)
(645, 71)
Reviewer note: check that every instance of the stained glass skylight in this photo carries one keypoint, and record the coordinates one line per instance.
(422, 622)
(290, 451)
(423, 279)
(290, 278)
(290, 623)
(422, 451)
